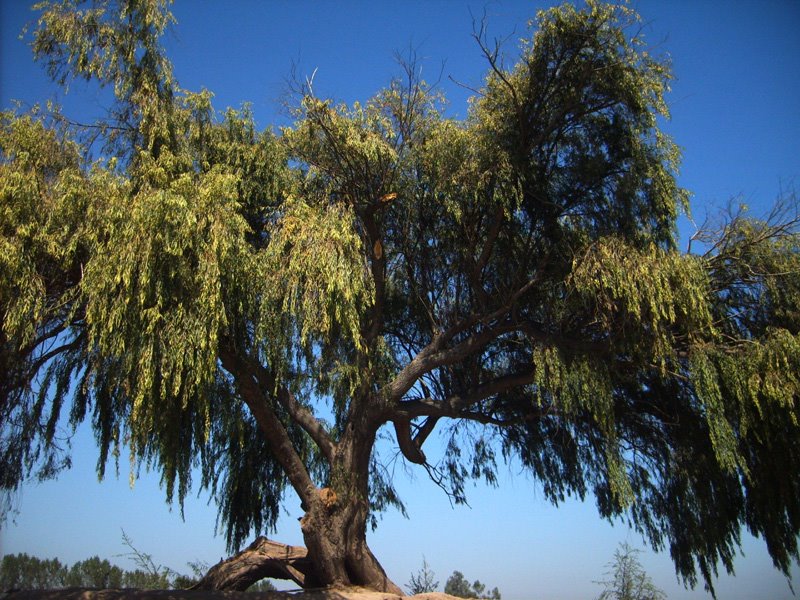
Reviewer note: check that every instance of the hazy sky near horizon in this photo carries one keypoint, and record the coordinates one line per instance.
(735, 112)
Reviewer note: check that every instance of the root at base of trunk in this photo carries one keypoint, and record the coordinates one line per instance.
(265, 558)
(261, 559)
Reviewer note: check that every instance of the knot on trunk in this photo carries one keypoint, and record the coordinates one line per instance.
(328, 498)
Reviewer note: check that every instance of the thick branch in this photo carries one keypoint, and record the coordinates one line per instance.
(434, 356)
(456, 406)
(263, 558)
(275, 433)
(299, 413)
(410, 449)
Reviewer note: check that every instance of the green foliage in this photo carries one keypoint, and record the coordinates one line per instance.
(457, 585)
(20, 571)
(96, 573)
(628, 579)
(260, 304)
(262, 586)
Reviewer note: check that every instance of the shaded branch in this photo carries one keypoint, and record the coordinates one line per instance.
(299, 413)
(457, 406)
(261, 559)
(276, 436)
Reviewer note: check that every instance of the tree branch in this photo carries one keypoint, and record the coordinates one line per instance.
(277, 438)
(263, 558)
(456, 406)
(299, 413)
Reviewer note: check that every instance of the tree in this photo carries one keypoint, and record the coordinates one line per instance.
(629, 580)
(94, 572)
(423, 580)
(148, 575)
(262, 305)
(21, 571)
(457, 585)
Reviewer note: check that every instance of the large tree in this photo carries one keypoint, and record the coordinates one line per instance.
(262, 305)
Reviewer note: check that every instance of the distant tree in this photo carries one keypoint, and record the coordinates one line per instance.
(94, 572)
(21, 571)
(264, 585)
(264, 305)
(144, 580)
(457, 585)
(423, 580)
(628, 580)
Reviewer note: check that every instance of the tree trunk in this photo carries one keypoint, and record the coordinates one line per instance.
(338, 554)
(335, 533)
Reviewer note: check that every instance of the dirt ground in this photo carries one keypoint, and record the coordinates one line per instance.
(94, 594)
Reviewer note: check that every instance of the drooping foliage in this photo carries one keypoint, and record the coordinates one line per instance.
(260, 304)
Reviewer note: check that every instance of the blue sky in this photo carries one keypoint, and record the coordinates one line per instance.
(735, 112)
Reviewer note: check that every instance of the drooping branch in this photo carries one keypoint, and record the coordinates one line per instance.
(261, 559)
(408, 446)
(456, 407)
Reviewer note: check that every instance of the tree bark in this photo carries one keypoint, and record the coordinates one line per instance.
(335, 533)
(339, 556)
(335, 524)
(263, 558)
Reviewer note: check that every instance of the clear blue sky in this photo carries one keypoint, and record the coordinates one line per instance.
(735, 111)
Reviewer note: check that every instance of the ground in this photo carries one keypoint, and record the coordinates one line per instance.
(94, 594)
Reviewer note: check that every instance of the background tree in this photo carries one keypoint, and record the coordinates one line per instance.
(95, 572)
(629, 581)
(21, 571)
(423, 580)
(262, 305)
(457, 585)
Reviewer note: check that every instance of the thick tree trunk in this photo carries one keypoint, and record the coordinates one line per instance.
(335, 523)
(334, 528)
(338, 555)
(335, 533)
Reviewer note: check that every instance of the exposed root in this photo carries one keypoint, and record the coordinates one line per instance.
(263, 558)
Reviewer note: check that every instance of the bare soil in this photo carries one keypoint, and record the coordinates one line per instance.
(327, 594)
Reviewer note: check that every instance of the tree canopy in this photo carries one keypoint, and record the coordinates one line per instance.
(259, 304)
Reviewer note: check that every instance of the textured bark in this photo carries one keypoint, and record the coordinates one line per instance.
(263, 558)
(336, 538)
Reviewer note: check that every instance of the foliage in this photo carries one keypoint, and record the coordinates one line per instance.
(261, 305)
(148, 575)
(457, 585)
(96, 573)
(21, 571)
(423, 580)
(264, 585)
(628, 579)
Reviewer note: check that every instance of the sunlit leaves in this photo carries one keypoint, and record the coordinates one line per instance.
(646, 300)
(155, 294)
(315, 275)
